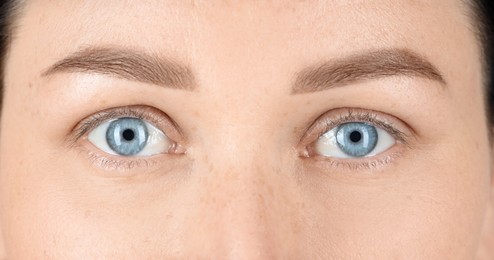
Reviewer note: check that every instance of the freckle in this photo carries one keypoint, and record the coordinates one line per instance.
(30, 85)
(210, 167)
(87, 214)
(270, 191)
(227, 175)
(296, 130)
(260, 199)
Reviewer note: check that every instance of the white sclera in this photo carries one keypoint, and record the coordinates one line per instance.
(326, 145)
(157, 141)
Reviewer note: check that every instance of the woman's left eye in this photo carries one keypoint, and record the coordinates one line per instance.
(353, 140)
(130, 136)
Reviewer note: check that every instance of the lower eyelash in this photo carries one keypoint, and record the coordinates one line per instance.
(107, 163)
(78, 139)
(341, 116)
(354, 165)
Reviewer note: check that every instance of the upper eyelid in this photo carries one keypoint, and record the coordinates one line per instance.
(96, 119)
(373, 119)
(327, 121)
(156, 117)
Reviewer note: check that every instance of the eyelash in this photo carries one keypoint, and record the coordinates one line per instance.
(114, 162)
(321, 125)
(95, 120)
(328, 121)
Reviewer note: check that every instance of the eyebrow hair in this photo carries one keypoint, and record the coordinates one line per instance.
(127, 64)
(365, 66)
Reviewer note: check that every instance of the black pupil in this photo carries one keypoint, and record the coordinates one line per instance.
(355, 136)
(128, 135)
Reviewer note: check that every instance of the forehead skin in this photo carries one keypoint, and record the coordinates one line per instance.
(247, 194)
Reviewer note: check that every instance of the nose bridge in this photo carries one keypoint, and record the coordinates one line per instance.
(240, 199)
(249, 226)
(241, 194)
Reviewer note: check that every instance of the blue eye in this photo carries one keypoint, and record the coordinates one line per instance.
(129, 136)
(356, 139)
(353, 140)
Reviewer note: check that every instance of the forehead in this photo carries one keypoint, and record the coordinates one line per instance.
(267, 36)
(335, 22)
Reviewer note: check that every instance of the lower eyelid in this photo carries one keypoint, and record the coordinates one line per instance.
(356, 165)
(372, 162)
(117, 164)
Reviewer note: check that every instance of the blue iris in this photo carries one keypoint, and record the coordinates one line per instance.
(356, 139)
(127, 136)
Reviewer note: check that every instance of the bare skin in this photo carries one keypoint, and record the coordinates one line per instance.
(243, 179)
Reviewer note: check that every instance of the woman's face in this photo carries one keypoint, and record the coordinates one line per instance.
(244, 129)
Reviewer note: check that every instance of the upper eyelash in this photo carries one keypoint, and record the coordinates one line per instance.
(363, 116)
(334, 118)
(91, 122)
(96, 119)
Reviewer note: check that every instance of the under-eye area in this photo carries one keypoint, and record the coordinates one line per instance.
(355, 139)
(127, 137)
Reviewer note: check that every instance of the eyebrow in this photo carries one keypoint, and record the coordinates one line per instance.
(364, 66)
(127, 64)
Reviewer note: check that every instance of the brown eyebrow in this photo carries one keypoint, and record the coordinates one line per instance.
(127, 64)
(366, 66)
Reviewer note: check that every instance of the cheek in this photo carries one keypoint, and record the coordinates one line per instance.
(46, 205)
(28, 164)
(430, 206)
(50, 204)
(421, 218)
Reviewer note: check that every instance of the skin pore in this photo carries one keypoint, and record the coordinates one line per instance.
(244, 90)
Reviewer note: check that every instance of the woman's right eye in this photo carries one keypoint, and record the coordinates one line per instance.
(130, 136)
